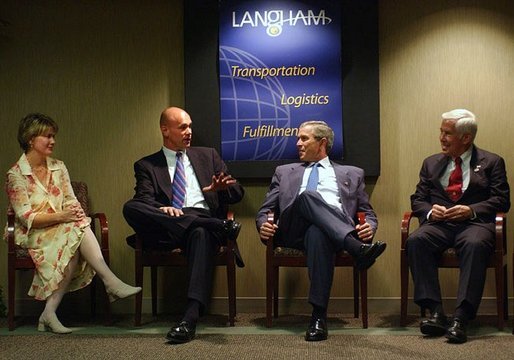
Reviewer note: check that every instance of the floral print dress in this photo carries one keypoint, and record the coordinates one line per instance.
(51, 248)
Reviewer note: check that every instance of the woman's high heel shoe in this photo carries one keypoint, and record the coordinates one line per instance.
(121, 291)
(52, 324)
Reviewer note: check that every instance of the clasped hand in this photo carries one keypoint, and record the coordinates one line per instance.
(74, 212)
(455, 213)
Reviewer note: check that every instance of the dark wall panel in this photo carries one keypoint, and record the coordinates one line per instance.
(361, 117)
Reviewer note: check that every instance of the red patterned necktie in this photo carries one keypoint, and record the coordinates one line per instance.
(454, 188)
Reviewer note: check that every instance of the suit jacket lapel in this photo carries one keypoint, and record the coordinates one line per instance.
(296, 177)
(476, 163)
(201, 170)
(344, 182)
(162, 174)
(439, 168)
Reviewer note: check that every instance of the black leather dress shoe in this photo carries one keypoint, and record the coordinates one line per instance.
(369, 253)
(456, 333)
(435, 326)
(317, 330)
(231, 229)
(181, 333)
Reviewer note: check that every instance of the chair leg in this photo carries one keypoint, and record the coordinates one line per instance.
(269, 291)
(364, 297)
(154, 290)
(499, 294)
(505, 294)
(107, 306)
(275, 291)
(404, 284)
(139, 282)
(92, 289)
(355, 292)
(105, 296)
(231, 285)
(10, 298)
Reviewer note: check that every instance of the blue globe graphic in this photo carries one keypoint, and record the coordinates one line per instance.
(250, 103)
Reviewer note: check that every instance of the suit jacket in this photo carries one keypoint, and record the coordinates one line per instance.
(285, 186)
(153, 182)
(487, 193)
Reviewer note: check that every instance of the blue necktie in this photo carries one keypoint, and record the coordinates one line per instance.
(312, 182)
(178, 188)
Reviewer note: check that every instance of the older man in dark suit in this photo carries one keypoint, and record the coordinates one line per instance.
(456, 200)
(316, 202)
(185, 212)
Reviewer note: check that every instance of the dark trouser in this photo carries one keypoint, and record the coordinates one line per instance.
(199, 244)
(474, 244)
(310, 224)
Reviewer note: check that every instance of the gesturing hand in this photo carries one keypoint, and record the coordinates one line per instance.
(220, 182)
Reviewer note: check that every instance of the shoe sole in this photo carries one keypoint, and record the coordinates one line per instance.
(367, 265)
(177, 341)
(316, 339)
(455, 340)
(432, 330)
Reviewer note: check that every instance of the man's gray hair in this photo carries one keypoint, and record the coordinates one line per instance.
(465, 121)
(321, 130)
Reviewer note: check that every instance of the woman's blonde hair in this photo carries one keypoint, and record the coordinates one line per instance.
(34, 125)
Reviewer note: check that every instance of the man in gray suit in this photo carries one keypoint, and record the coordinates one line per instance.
(316, 202)
(460, 190)
(195, 222)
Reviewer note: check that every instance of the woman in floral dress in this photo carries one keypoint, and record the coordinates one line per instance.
(51, 224)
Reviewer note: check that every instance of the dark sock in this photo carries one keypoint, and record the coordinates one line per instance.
(192, 311)
(211, 224)
(319, 312)
(432, 306)
(352, 244)
(437, 307)
(464, 312)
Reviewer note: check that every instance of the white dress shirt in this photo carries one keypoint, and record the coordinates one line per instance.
(327, 183)
(466, 159)
(194, 194)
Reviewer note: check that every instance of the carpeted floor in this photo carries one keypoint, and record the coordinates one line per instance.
(250, 339)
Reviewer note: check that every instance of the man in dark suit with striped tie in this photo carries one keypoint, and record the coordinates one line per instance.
(456, 200)
(187, 211)
(316, 202)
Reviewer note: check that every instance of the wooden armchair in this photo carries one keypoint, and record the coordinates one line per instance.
(288, 257)
(449, 259)
(19, 258)
(155, 256)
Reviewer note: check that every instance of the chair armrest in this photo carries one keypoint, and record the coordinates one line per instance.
(10, 231)
(501, 240)
(361, 218)
(104, 229)
(405, 227)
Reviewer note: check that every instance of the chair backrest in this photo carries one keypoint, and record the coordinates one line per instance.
(81, 193)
